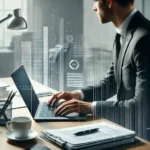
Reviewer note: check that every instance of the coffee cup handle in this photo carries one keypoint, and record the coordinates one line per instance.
(9, 126)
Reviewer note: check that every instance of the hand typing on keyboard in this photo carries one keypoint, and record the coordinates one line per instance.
(66, 96)
(57, 104)
(54, 107)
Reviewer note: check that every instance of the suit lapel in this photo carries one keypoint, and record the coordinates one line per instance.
(131, 28)
(124, 48)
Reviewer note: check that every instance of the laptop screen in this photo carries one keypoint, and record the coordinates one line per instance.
(26, 90)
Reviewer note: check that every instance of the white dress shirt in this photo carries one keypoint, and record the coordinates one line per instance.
(123, 27)
(121, 30)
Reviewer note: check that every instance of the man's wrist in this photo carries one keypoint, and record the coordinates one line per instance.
(89, 108)
(76, 95)
(81, 94)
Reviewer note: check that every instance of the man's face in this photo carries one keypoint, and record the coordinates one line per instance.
(102, 10)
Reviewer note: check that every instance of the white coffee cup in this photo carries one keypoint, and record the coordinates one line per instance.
(21, 126)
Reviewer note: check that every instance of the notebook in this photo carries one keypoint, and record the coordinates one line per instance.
(108, 135)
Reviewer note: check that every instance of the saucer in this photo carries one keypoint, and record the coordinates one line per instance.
(10, 136)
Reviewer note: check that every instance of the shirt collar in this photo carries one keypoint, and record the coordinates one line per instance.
(123, 27)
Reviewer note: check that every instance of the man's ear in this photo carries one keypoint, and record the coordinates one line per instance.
(110, 3)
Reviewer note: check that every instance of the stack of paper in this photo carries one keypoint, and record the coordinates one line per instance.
(3, 91)
(3, 85)
(39, 91)
(109, 135)
(18, 101)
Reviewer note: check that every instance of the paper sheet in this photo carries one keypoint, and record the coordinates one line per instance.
(3, 85)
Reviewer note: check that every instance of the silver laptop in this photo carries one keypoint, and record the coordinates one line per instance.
(40, 111)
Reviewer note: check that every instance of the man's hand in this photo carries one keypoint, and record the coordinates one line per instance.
(74, 105)
(63, 95)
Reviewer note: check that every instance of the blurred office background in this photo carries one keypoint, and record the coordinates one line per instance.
(65, 47)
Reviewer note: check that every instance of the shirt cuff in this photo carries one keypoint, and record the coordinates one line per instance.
(93, 107)
(81, 94)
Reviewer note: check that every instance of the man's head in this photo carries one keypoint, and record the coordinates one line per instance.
(106, 10)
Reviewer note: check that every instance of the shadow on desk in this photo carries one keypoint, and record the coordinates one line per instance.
(136, 145)
(29, 144)
(24, 144)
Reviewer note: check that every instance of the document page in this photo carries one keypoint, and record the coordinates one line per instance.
(107, 132)
(37, 90)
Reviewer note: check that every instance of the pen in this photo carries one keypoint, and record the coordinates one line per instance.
(86, 132)
(6, 101)
(12, 96)
(9, 97)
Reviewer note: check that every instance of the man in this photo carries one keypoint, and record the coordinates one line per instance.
(128, 76)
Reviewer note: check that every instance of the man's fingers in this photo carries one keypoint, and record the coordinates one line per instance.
(73, 106)
(69, 111)
(62, 101)
(53, 98)
(59, 109)
(65, 95)
(63, 108)
(63, 105)
(59, 96)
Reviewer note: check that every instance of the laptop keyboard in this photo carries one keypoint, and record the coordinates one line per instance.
(47, 111)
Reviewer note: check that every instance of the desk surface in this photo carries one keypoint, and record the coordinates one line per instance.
(12, 145)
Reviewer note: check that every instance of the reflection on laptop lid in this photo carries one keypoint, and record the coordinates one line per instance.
(26, 90)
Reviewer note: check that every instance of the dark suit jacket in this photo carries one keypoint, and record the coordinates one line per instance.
(129, 78)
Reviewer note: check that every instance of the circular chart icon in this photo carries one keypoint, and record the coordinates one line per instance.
(69, 38)
(74, 64)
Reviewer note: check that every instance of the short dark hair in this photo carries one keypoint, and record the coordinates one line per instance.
(125, 3)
